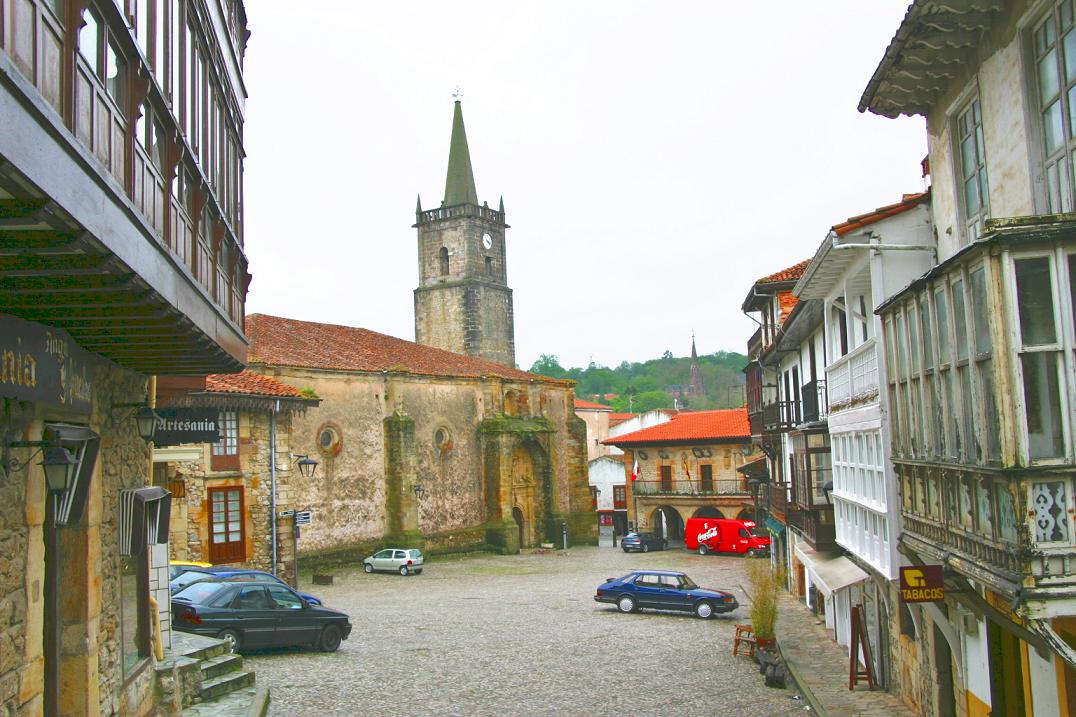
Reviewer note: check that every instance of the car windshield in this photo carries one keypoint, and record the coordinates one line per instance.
(189, 577)
(687, 583)
(200, 592)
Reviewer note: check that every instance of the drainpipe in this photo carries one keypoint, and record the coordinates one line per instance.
(272, 479)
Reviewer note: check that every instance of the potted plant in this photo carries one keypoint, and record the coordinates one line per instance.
(765, 582)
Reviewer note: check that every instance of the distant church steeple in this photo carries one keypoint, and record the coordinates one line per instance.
(695, 387)
(463, 303)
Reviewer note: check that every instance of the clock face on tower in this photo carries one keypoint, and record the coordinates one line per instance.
(487, 241)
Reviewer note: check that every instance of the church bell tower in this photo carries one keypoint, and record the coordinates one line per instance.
(463, 303)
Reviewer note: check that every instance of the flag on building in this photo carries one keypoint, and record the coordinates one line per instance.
(635, 470)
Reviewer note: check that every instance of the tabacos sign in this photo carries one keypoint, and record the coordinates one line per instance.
(922, 583)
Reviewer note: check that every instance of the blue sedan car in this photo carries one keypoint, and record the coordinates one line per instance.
(231, 575)
(664, 590)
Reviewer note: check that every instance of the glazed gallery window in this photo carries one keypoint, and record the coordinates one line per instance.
(226, 525)
(943, 393)
(225, 453)
(971, 151)
(1041, 347)
(1053, 41)
(134, 616)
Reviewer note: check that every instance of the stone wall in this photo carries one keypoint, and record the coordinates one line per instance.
(89, 618)
(364, 488)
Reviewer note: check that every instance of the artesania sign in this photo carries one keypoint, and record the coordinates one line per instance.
(177, 426)
(42, 364)
(922, 583)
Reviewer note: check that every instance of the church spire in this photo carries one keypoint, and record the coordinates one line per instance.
(459, 185)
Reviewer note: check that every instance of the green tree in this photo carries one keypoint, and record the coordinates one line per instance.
(549, 365)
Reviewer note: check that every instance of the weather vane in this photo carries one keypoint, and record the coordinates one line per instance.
(457, 94)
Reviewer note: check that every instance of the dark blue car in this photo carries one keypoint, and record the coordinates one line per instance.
(643, 542)
(664, 590)
(231, 575)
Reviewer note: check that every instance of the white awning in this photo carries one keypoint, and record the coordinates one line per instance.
(831, 573)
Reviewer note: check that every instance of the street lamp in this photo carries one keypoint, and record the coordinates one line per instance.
(307, 465)
(60, 466)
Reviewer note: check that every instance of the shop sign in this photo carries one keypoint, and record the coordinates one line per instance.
(177, 426)
(922, 583)
(44, 365)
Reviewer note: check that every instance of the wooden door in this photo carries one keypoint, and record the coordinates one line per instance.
(226, 544)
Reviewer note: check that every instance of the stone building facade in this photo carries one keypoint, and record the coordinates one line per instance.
(123, 259)
(687, 468)
(251, 475)
(425, 446)
(463, 303)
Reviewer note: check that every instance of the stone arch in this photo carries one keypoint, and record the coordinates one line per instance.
(667, 522)
(442, 258)
(708, 511)
(746, 514)
(532, 490)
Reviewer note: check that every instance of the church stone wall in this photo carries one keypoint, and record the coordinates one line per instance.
(365, 492)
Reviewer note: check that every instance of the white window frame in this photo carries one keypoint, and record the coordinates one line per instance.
(971, 223)
(1062, 315)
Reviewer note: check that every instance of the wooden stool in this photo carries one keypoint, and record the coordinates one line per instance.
(745, 636)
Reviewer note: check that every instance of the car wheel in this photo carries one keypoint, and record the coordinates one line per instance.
(625, 550)
(231, 637)
(330, 639)
(367, 568)
(704, 610)
(404, 571)
(751, 552)
(626, 603)
(703, 550)
(646, 548)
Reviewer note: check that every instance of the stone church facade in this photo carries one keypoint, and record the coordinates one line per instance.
(425, 447)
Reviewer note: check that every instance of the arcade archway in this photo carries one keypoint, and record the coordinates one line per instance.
(667, 522)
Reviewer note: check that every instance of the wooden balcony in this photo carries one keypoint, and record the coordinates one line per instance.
(815, 401)
(818, 528)
(778, 416)
(780, 505)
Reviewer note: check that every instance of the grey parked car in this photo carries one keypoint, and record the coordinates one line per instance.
(394, 560)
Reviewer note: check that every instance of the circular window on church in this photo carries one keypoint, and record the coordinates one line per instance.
(442, 441)
(330, 439)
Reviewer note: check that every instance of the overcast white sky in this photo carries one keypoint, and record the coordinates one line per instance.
(655, 158)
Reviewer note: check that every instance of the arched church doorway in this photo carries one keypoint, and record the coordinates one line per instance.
(666, 522)
(517, 515)
(708, 511)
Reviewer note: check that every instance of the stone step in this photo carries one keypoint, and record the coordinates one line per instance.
(197, 647)
(221, 664)
(228, 682)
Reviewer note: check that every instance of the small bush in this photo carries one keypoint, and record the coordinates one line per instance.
(765, 582)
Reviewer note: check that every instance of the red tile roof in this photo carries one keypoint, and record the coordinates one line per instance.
(792, 273)
(590, 405)
(278, 341)
(693, 426)
(249, 383)
(616, 418)
(908, 201)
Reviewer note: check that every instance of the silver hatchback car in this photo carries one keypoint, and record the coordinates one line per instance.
(394, 560)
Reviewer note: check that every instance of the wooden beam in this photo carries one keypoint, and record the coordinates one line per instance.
(44, 263)
(944, 40)
(67, 284)
(15, 240)
(12, 210)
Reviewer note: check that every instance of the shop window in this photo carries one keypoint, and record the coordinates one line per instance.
(225, 453)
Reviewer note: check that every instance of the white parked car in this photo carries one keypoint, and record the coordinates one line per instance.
(394, 560)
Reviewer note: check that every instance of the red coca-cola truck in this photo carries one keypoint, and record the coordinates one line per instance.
(724, 535)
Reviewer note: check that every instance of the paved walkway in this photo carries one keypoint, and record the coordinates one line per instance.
(819, 667)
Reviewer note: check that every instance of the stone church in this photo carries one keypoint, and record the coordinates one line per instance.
(440, 443)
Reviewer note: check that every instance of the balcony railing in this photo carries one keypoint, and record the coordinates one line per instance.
(853, 378)
(815, 401)
(778, 416)
(723, 486)
(779, 503)
(819, 529)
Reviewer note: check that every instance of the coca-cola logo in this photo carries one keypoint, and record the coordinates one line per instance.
(707, 534)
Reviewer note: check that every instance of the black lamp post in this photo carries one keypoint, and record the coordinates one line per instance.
(146, 418)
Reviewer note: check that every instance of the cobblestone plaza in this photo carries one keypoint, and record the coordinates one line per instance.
(522, 635)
